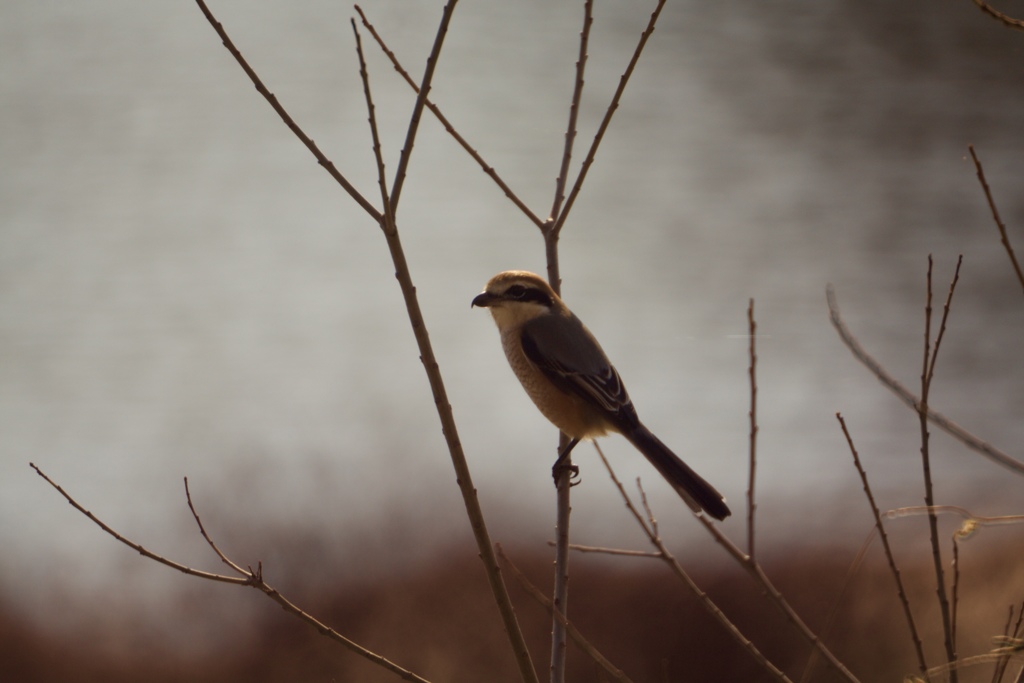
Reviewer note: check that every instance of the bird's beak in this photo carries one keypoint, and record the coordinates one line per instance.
(483, 300)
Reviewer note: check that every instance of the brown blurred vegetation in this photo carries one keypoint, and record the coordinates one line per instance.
(439, 620)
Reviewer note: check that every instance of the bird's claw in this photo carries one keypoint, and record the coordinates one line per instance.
(573, 470)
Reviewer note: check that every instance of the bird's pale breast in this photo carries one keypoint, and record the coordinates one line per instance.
(567, 412)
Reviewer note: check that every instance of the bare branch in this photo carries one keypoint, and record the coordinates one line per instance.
(945, 319)
(556, 227)
(248, 578)
(574, 108)
(1008, 637)
(560, 591)
(651, 519)
(1010, 648)
(286, 117)
(1006, 19)
(436, 111)
(995, 215)
(572, 631)
(751, 504)
(610, 551)
(826, 629)
(388, 221)
(777, 598)
(677, 569)
(938, 419)
(954, 591)
(904, 601)
(415, 314)
(927, 373)
(421, 98)
(209, 541)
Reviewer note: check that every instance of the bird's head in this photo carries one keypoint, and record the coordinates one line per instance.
(516, 296)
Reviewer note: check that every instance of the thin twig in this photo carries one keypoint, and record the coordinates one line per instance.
(751, 504)
(927, 374)
(574, 110)
(286, 117)
(945, 318)
(971, 521)
(651, 519)
(1008, 636)
(388, 221)
(448, 427)
(1004, 18)
(777, 598)
(954, 591)
(421, 98)
(936, 418)
(253, 578)
(609, 551)
(436, 111)
(889, 556)
(677, 569)
(556, 227)
(516, 639)
(1000, 667)
(573, 632)
(560, 590)
(830, 620)
(995, 215)
(202, 530)
(135, 546)
(1009, 649)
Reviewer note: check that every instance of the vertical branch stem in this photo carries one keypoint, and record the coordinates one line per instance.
(751, 505)
(956, 589)
(473, 510)
(560, 595)
(560, 598)
(929, 496)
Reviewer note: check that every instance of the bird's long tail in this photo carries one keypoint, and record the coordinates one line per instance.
(697, 493)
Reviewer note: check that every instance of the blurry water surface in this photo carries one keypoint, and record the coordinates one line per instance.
(184, 292)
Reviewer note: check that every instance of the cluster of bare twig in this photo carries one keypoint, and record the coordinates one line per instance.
(385, 215)
(946, 591)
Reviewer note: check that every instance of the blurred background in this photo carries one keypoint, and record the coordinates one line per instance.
(184, 292)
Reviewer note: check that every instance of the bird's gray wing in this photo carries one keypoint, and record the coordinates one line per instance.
(568, 355)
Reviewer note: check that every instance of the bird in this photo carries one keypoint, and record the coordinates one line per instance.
(570, 379)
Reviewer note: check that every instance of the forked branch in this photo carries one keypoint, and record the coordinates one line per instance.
(246, 577)
(386, 220)
(556, 226)
(929, 357)
(649, 526)
(436, 111)
(286, 117)
(572, 631)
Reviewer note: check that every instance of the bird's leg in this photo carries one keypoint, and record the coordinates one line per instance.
(560, 466)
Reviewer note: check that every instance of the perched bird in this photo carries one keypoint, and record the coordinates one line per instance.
(563, 369)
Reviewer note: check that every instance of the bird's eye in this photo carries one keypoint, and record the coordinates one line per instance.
(516, 291)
